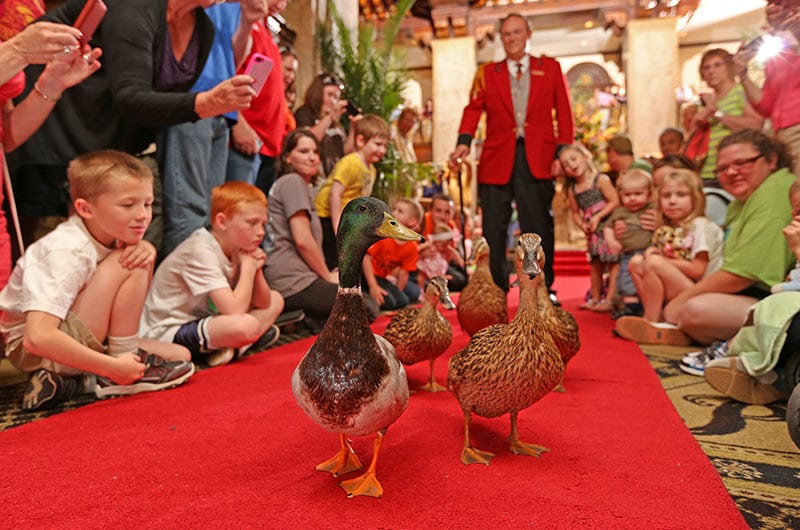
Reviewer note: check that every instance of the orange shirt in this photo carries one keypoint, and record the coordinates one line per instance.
(388, 254)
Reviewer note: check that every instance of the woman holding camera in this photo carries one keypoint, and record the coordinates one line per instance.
(321, 111)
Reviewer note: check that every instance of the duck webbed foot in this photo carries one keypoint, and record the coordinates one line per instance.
(517, 446)
(470, 455)
(366, 484)
(432, 385)
(342, 462)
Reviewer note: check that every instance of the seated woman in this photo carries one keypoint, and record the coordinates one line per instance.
(754, 169)
(296, 266)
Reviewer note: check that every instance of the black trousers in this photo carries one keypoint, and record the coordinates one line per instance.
(534, 211)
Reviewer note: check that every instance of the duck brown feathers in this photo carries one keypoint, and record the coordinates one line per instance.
(481, 302)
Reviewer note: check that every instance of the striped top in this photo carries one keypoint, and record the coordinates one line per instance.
(732, 103)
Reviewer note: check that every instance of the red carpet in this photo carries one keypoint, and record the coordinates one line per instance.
(231, 449)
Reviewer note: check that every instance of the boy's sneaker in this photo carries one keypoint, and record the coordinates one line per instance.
(220, 357)
(695, 363)
(158, 375)
(266, 340)
(46, 389)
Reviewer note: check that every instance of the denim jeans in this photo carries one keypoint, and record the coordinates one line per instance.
(193, 158)
(242, 168)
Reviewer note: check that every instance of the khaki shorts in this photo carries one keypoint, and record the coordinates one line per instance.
(73, 326)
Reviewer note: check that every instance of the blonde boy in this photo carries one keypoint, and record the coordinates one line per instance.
(71, 308)
(352, 177)
(210, 294)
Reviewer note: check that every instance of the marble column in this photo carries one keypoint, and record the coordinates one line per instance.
(650, 57)
(453, 67)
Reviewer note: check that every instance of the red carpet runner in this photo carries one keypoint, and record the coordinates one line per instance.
(231, 449)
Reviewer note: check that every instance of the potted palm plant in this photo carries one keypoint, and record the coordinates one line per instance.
(374, 76)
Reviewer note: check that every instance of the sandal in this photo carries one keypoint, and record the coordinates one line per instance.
(604, 306)
(589, 304)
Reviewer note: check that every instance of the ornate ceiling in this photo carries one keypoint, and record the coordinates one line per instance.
(452, 18)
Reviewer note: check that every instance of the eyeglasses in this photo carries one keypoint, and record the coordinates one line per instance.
(332, 80)
(738, 165)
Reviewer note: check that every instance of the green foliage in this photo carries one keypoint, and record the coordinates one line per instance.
(373, 76)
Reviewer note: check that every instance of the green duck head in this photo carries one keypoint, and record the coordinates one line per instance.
(364, 222)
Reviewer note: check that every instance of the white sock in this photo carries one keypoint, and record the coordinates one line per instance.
(119, 345)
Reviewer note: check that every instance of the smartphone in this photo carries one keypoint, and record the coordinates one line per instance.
(352, 110)
(258, 67)
(89, 19)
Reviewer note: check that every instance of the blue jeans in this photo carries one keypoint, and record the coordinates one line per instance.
(242, 168)
(193, 158)
(625, 285)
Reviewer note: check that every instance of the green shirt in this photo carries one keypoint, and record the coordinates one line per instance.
(755, 247)
(732, 104)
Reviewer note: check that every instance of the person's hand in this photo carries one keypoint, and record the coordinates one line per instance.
(614, 246)
(649, 220)
(259, 255)
(593, 223)
(378, 294)
(248, 260)
(457, 157)
(619, 228)
(42, 42)
(244, 138)
(742, 59)
(333, 276)
(138, 256)
(232, 94)
(127, 369)
(651, 251)
(68, 70)
(792, 234)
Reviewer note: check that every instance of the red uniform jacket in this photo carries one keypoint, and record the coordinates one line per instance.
(548, 120)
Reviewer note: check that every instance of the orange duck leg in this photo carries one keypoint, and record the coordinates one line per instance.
(470, 455)
(432, 385)
(342, 462)
(367, 484)
(517, 446)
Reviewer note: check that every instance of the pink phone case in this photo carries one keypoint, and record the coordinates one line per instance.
(258, 67)
(89, 19)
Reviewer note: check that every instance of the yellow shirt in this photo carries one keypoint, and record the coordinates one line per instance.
(351, 173)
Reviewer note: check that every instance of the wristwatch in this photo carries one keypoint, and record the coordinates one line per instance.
(718, 115)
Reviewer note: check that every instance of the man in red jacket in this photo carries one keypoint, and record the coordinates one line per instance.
(527, 114)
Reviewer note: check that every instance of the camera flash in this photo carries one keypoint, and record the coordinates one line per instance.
(770, 47)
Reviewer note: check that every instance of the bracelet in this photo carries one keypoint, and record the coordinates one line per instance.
(44, 96)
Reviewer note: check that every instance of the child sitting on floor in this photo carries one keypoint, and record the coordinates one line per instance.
(70, 312)
(210, 293)
(389, 263)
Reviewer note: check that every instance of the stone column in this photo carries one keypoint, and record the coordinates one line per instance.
(453, 67)
(650, 58)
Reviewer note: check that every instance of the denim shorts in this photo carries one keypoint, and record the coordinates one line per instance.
(625, 286)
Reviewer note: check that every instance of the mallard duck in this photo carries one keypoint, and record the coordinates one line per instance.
(350, 381)
(561, 324)
(481, 303)
(506, 368)
(422, 333)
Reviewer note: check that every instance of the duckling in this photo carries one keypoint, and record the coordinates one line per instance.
(422, 333)
(561, 324)
(508, 367)
(350, 381)
(481, 303)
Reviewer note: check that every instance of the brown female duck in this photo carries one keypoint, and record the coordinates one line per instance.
(481, 303)
(422, 333)
(350, 381)
(560, 323)
(506, 368)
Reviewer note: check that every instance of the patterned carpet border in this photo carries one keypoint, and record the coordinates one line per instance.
(748, 444)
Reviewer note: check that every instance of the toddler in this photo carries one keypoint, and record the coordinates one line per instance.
(592, 198)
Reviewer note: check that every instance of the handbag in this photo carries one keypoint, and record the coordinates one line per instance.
(696, 148)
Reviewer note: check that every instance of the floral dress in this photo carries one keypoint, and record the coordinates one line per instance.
(590, 202)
